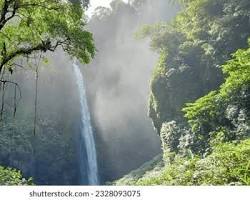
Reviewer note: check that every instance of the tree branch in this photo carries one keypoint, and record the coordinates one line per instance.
(44, 46)
(6, 10)
(16, 102)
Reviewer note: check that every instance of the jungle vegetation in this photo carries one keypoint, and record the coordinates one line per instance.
(199, 100)
(29, 30)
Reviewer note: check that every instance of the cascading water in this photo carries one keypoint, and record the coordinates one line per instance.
(87, 137)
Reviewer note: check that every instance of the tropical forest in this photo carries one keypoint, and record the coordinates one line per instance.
(140, 93)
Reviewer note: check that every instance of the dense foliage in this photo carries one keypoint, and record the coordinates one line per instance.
(223, 115)
(29, 26)
(50, 156)
(12, 177)
(45, 148)
(199, 93)
(192, 47)
(204, 51)
(227, 165)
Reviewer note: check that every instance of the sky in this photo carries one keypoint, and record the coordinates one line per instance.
(95, 3)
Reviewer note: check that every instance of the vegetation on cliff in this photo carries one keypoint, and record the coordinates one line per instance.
(199, 100)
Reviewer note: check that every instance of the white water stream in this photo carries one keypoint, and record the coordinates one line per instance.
(87, 137)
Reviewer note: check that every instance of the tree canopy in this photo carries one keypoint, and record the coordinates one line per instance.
(28, 26)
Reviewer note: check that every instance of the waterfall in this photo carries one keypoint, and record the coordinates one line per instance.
(87, 137)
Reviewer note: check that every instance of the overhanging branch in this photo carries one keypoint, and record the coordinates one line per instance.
(44, 46)
(8, 11)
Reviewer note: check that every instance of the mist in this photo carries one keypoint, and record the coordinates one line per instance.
(117, 80)
(118, 83)
(50, 153)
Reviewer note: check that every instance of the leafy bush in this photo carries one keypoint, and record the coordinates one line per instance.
(176, 138)
(225, 109)
(10, 176)
(228, 165)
